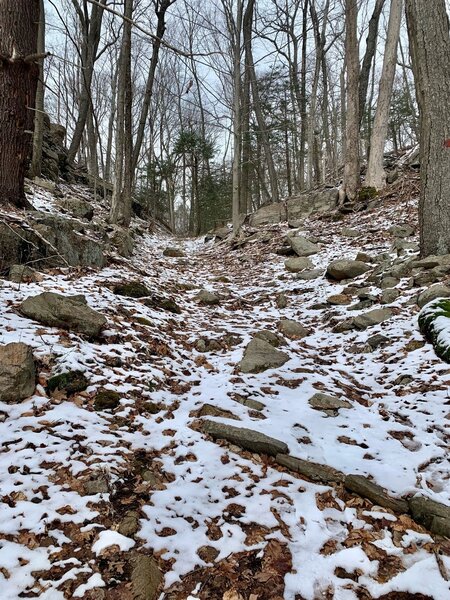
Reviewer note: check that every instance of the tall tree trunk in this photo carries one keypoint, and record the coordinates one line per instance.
(19, 74)
(303, 100)
(376, 176)
(237, 125)
(351, 168)
(428, 30)
(38, 135)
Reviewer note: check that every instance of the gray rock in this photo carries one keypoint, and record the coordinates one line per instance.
(123, 240)
(350, 233)
(67, 312)
(24, 274)
(329, 404)
(297, 264)
(173, 252)
(389, 282)
(270, 337)
(317, 201)
(281, 301)
(271, 213)
(302, 246)
(339, 300)
(245, 438)
(129, 525)
(389, 295)
(346, 269)
(435, 291)
(377, 340)
(292, 329)
(364, 257)
(401, 231)
(373, 317)
(17, 372)
(260, 356)
(146, 577)
(97, 484)
(375, 493)
(311, 470)
(78, 208)
(309, 275)
(208, 298)
(430, 262)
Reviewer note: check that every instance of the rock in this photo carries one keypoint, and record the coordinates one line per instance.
(311, 470)
(364, 257)
(168, 304)
(317, 201)
(339, 300)
(24, 274)
(245, 438)
(297, 264)
(430, 262)
(70, 382)
(329, 404)
(67, 312)
(373, 317)
(208, 298)
(106, 399)
(270, 337)
(433, 515)
(174, 252)
(208, 554)
(346, 269)
(292, 329)
(129, 525)
(309, 275)
(350, 233)
(302, 246)
(260, 356)
(98, 483)
(375, 493)
(221, 233)
(281, 301)
(208, 410)
(249, 402)
(377, 340)
(401, 231)
(131, 289)
(123, 240)
(17, 372)
(434, 323)
(389, 282)
(390, 295)
(268, 214)
(207, 345)
(78, 208)
(402, 245)
(146, 577)
(432, 293)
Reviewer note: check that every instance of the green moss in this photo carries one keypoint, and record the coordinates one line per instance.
(143, 321)
(106, 399)
(427, 325)
(132, 289)
(163, 304)
(71, 382)
(367, 193)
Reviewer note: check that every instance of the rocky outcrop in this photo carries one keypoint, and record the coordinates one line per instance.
(67, 312)
(260, 356)
(77, 207)
(17, 372)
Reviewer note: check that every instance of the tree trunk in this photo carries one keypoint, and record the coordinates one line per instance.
(36, 161)
(351, 168)
(237, 126)
(428, 30)
(376, 176)
(19, 74)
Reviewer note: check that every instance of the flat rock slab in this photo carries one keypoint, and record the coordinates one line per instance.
(346, 269)
(327, 403)
(17, 372)
(245, 438)
(146, 577)
(67, 312)
(292, 329)
(373, 317)
(260, 356)
(375, 493)
(302, 246)
(297, 264)
(311, 470)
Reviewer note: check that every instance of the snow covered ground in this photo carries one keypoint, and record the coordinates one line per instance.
(201, 502)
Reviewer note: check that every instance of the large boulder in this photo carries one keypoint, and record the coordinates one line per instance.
(435, 291)
(67, 312)
(260, 356)
(317, 201)
(17, 372)
(268, 214)
(77, 207)
(373, 317)
(346, 269)
(302, 246)
(297, 264)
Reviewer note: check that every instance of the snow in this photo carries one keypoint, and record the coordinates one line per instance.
(51, 445)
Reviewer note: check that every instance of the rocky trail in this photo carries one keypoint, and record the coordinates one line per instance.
(246, 421)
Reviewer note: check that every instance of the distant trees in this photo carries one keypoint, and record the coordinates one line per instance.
(19, 73)
(428, 29)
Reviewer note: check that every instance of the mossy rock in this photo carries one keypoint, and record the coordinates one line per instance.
(434, 323)
(71, 382)
(367, 193)
(132, 289)
(167, 304)
(106, 399)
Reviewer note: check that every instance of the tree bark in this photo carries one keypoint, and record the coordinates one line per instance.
(19, 21)
(352, 167)
(428, 30)
(376, 176)
(38, 136)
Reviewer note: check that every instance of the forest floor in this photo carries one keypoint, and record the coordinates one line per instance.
(222, 522)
